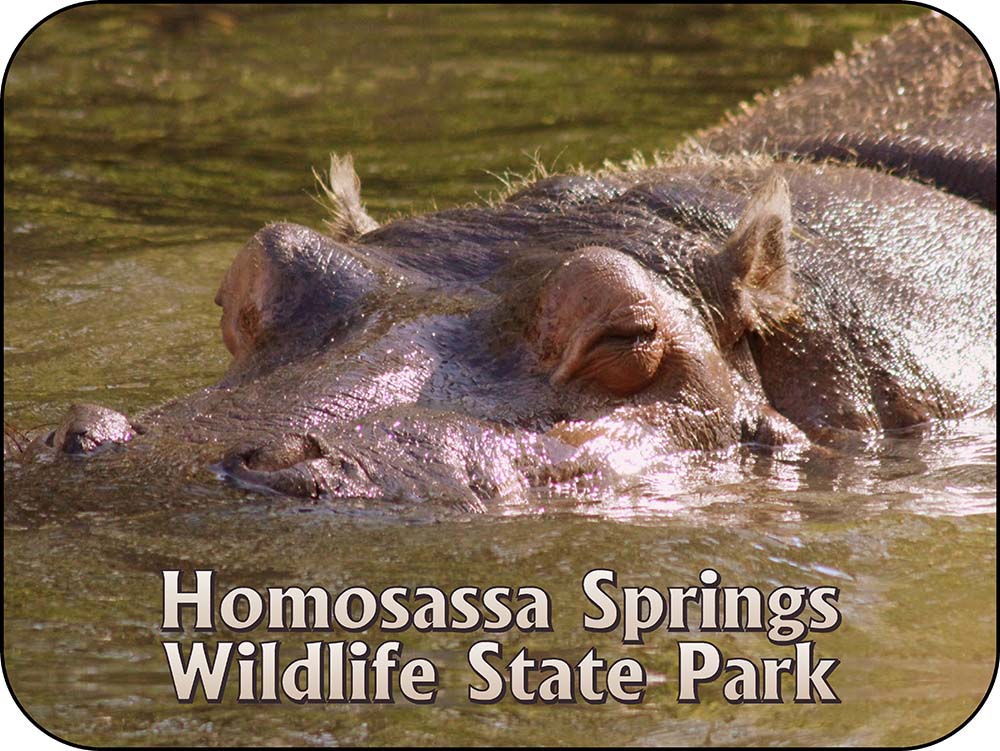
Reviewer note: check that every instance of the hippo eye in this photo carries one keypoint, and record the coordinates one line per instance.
(628, 337)
(622, 360)
(599, 320)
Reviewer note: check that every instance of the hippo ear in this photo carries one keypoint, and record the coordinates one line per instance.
(242, 297)
(755, 258)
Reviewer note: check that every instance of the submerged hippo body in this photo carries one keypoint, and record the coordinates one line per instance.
(742, 291)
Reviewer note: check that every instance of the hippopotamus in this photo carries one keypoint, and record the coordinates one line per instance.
(818, 267)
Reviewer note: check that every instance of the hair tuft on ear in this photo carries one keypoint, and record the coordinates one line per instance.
(756, 257)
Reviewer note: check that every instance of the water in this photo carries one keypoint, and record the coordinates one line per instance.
(142, 146)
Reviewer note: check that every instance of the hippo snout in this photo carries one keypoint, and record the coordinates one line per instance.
(408, 455)
(305, 466)
(89, 427)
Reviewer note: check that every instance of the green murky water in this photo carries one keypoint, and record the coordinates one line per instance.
(142, 146)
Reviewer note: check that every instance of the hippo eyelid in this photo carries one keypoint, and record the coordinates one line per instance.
(638, 333)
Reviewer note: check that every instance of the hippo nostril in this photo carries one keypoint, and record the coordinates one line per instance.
(88, 427)
(350, 469)
(78, 443)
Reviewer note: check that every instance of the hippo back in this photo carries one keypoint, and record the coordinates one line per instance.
(920, 102)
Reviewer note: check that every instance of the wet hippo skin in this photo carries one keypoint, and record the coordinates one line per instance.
(819, 266)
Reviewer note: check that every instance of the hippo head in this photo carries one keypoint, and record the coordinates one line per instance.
(474, 353)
